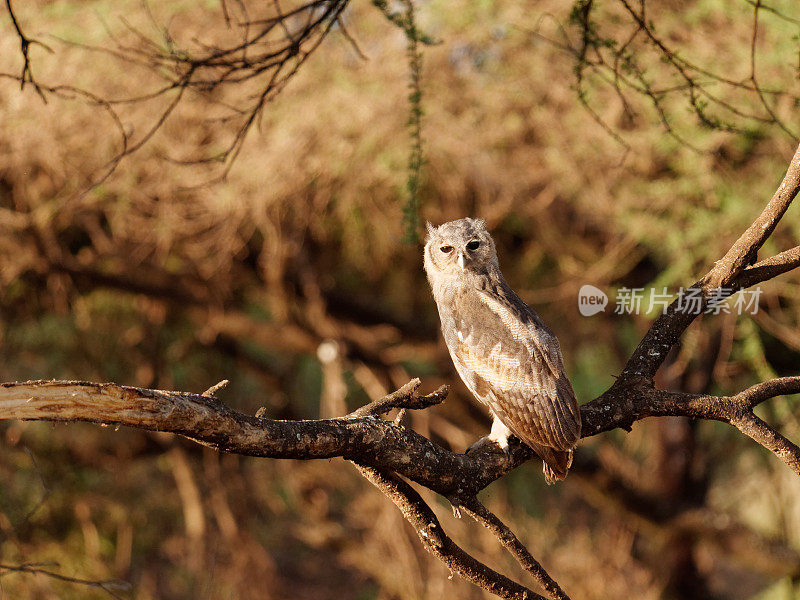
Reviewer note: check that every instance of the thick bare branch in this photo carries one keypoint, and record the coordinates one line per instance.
(370, 440)
(380, 446)
(622, 406)
(373, 441)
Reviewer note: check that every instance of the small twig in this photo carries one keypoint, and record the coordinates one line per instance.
(25, 44)
(510, 542)
(45, 489)
(107, 586)
(212, 391)
(405, 397)
(350, 38)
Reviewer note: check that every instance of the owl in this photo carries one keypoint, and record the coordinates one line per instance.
(505, 354)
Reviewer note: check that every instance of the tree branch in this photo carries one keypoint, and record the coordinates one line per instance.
(756, 429)
(371, 441)
(758, 393)
(620, 407)
(375, 442)
(511, 543)
(108, 586)
(382, 449)
(768, 268)
(405, 397)
(436, 541)
(25, 44)
(669, 327)
(746, 247)
(253, 67)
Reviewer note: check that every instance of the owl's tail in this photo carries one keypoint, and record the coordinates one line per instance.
(555, 463)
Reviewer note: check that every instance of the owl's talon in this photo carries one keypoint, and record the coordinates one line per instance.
(478, 446)
(500, 434)
(488, 444)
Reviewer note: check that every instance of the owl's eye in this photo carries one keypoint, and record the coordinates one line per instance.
(446, 249)
(473, 245)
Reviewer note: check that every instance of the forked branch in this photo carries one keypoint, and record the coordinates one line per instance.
(744, 250)
(253, 66)
(511, 543)
(25, 44)
(436, 541)
(728, 275)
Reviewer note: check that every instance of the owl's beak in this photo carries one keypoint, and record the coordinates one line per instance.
(461, 260)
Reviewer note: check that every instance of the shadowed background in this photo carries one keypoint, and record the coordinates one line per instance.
(290, 278)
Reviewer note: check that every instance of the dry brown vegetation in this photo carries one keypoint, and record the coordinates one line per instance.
(161, 277)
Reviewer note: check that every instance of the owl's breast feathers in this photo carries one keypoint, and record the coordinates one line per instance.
(511, 361)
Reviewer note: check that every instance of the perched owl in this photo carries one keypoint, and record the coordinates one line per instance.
(505, 354)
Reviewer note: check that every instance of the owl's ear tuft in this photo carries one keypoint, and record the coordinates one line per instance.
(479, 223)
(431, 229)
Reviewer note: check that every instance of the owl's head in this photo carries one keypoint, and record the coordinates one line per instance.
(459, 247)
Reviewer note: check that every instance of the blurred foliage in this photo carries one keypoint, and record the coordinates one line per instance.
(163, 277)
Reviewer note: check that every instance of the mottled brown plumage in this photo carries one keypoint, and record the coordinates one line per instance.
(505, 354)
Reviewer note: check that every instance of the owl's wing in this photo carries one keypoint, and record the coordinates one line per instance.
(512, 362)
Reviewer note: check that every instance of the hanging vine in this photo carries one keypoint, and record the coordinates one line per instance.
(407, 22)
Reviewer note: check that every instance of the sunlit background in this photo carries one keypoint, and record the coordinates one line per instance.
(165, 276)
